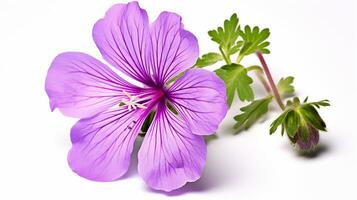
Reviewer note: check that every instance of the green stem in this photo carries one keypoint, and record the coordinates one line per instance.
(239, 58)
(254, 68)
(226, 59)
(263, 81)
(270, 80)
(259, 73)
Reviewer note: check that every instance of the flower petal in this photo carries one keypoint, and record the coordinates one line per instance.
(102, 145)
(81, 86)
(173, 48)
(170, 154)
(199, 96)
(122, 37)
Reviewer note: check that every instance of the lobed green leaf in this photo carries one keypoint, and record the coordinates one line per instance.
(285, 86)
(208, 59)
(227, 35)
(236, 79)
(254, 40)
(278, 122)
(251, 113)
(323, 103)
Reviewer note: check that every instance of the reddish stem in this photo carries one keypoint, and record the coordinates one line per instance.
(270, 80)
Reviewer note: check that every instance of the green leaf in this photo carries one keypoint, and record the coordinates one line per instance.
(292, 123)
(278, 122)
(208, 59)
(147, 122)
(234, 49)
(227, 35)
(254, 40)
(251, 113)
(282, 130)
(323, 103)
(305, 133)
(305, 100)
(311, 115)
(285, 86)
(236, 79)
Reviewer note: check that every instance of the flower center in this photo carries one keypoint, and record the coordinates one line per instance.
(144, 100)
(133, 102)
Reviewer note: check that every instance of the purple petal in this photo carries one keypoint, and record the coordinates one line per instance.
(122, 37)
(170, 154)
(173, 48)
(200, 98)
(102, 145)
(81, 86)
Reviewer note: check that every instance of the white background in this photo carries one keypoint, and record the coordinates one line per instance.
(315, 41)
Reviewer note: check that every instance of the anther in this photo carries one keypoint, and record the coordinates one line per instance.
(133, 102)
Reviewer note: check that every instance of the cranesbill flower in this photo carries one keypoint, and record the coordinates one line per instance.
(112, 110)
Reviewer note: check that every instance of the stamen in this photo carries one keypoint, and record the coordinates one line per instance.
(132, 101)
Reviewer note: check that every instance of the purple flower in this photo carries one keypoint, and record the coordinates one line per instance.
(112, 110)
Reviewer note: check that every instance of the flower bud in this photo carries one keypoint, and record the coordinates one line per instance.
(302, 123)
(309, 143)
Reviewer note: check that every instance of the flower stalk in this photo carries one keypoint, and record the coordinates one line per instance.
(270, 80)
